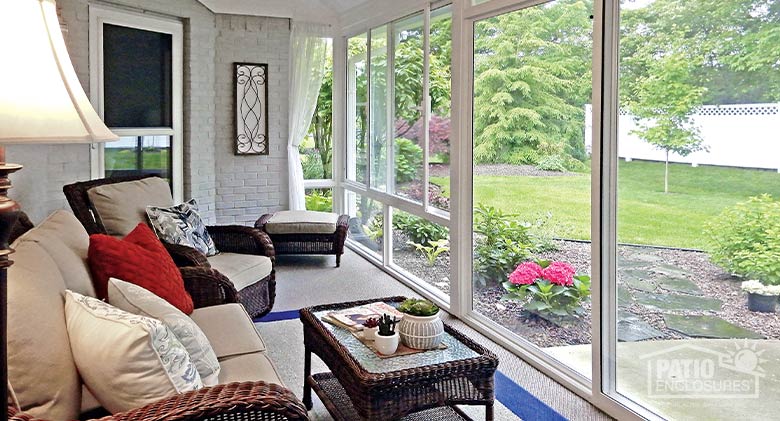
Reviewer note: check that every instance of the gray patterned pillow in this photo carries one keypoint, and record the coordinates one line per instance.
(181, 224)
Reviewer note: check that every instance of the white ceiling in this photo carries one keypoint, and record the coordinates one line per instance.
(324, 11)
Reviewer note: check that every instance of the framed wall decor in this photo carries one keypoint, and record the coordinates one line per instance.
(251, 83)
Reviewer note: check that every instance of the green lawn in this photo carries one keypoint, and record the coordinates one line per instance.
(125, 158)
(646, 215)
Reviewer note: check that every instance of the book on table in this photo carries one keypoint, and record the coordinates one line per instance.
(353, 318)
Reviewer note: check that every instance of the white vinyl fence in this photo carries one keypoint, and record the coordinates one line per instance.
(745, 135)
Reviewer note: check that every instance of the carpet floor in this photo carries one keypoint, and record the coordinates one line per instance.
(522, 392)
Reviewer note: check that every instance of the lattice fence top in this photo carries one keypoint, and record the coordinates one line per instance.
(735, 109)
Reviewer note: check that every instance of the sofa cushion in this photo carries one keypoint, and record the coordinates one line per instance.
(141, 259)
(127, 361)
(40, 363)
(249, 367)
(229, 329)
(67, 242)
(121, 206)
(137, 300)
(302, 222)
(243, 270)
(181, 224)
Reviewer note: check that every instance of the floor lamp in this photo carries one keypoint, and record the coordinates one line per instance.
(41, 101)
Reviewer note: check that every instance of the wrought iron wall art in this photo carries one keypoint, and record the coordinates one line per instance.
(251, 82)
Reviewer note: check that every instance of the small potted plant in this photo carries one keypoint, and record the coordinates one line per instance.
(370, 328)
(386, 341)
(421, 327)
(761, 298)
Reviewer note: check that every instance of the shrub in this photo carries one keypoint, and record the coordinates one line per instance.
(432, 251)
(312, 165)
(549, 289)
(502, 243)
(551, 163)
(436, 198)
(745, 239)
(319, 201)
(419, 230)
(408, 160)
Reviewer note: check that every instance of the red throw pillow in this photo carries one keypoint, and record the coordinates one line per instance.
(140, 258)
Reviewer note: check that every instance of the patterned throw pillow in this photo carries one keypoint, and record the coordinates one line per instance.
(181, 224)
(137, 300)
(126, 361)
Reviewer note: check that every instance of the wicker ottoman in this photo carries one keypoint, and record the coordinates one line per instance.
(306, 232)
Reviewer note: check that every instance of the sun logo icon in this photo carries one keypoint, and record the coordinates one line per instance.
(746, 358)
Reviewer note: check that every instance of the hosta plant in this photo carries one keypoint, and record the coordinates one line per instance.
(548, 289)
(433, 250)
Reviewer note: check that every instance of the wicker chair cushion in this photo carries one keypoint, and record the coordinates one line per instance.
(126, 360)
(141, 259)
(121, 206)
(137, 300)
(239, 339)
(67, 242)
(249, 367)
(40, 362)
(302, 222)
(242, 269)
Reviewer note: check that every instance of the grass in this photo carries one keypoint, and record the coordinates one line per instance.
(646, 215)
(125, 159)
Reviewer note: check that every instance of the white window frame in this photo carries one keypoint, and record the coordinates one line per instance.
(100, 15)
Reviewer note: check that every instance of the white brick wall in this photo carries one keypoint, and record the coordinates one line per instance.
(248, 186)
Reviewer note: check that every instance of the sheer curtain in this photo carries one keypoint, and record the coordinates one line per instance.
(308, 48)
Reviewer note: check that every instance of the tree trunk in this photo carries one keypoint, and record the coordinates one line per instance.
(666, 173)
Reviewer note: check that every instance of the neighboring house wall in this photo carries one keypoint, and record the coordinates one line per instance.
(228, 188)
(250, 185)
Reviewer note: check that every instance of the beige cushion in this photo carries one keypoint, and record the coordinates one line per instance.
(243, 270)
(138, 300)
(249, 367)
(67, 242)
(122, 206)
(40, 363)
(302, 222)
(126, 361)
(229, 328)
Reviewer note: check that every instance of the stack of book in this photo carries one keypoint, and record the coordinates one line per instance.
(353, 318)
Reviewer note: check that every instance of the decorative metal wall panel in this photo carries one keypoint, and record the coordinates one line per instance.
(251, 82)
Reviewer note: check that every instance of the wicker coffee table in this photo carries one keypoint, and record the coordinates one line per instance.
(423, 386)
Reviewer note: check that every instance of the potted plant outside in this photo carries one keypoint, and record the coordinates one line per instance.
(421, 327)
(386, 341)
(370, 328)
(761, 298)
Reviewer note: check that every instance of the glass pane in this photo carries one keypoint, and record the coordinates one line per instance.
(316, 149)
(137, 77)
(366, 225)
(532, 79)
(439, 123)
(698, 209)
(379, 110)
(135, 155)
(357, 109)
(408, 98)
(422, 249)
(319, 200)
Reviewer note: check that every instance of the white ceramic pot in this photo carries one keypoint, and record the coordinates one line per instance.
(369, 333)
(421, 332)
(386, 345)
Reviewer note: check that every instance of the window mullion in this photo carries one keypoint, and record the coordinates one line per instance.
(426, 102)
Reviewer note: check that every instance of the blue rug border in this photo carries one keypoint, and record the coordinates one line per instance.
(513, 396)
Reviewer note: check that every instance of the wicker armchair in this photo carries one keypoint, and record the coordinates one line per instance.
(258, 298)
(234, 401)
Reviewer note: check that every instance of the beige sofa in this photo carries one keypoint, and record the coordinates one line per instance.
(53, 257)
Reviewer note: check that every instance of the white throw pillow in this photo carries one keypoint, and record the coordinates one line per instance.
(138, 300)
(126, 361)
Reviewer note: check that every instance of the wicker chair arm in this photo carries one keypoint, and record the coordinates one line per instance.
(207, 287)
(186, 256)
(233, 401)
(242, 239)
(260, 223)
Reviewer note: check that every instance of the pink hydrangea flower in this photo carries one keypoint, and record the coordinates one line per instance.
(525, 274)
(559, 273)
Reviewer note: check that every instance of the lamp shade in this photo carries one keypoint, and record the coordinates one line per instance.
(41, 99)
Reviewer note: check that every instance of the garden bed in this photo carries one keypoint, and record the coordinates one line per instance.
(663, 294)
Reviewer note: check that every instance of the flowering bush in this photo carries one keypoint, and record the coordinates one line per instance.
(548, 288)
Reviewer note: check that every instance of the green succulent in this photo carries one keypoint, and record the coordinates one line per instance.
(418, 307)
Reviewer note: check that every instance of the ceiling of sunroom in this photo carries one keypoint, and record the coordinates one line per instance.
(307, 10)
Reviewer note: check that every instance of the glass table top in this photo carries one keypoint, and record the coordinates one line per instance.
(456, 350)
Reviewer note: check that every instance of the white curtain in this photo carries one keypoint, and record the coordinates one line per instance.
(308, 48)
